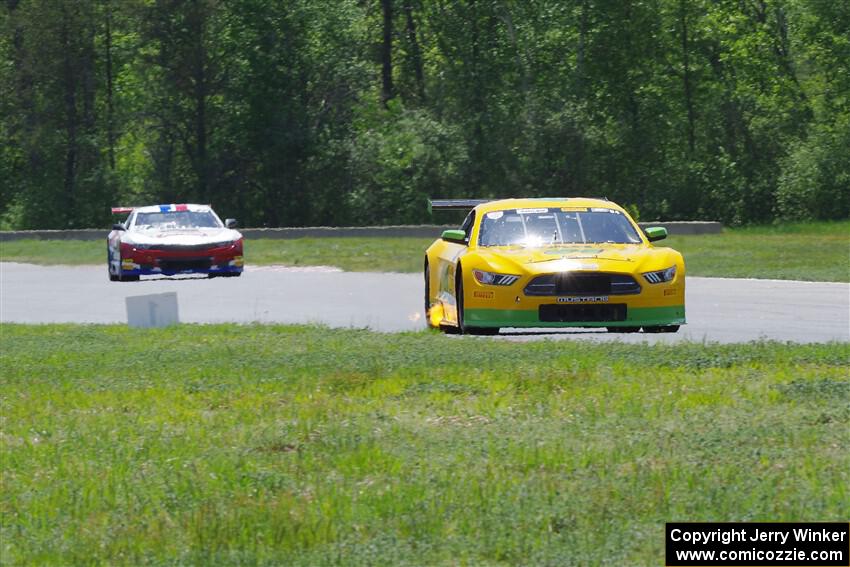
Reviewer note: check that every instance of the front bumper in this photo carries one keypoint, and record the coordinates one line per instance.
(495, 306)
(225, 260)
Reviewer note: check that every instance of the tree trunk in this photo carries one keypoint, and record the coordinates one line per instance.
(69, 96)
(416, 52)
(686, 75)
(110, 108)
(386, 52)
(200, 94)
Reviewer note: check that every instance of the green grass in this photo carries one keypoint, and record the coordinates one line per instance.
(47, 252)
(806, 251)
(307, 446)
(350, 254)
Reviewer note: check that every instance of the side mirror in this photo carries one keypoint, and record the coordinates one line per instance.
(456, 236)
(119, 226)
(230, 223)
(654, 233)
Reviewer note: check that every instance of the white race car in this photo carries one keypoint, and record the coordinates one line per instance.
(173, 239)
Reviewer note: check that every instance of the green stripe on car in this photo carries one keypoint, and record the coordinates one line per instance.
(635, 316)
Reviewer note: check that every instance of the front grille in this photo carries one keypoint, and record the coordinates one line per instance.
(187, 247)
(570, 283)
(180, 264)
(584, 313)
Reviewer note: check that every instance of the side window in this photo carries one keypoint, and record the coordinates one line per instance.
(468, 222)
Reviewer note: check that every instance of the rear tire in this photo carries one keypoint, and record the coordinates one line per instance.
(426, 272)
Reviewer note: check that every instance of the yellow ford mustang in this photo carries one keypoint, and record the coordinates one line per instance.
(551, 263)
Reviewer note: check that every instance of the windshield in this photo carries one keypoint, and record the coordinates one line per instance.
(175, 220)
(556, 225)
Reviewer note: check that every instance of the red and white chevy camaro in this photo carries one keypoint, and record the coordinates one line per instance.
(168, 240)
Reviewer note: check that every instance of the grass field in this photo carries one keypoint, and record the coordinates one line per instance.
(812, 251)
(306, 446)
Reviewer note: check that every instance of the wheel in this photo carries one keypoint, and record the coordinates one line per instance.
(623, 329)
(661, 329)
(427, 276)
(485, 331)
(112, 277)
(427, 294)
(128, 278)
(459, 300)
(462, 328)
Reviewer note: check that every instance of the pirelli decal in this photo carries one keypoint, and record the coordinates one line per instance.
(588, 299)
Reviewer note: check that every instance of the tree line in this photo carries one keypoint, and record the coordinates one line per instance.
(355, 112)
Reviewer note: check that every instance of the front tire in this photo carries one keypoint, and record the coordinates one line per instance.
(461, 326)
(661, 329)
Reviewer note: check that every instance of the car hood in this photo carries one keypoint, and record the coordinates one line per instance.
(622, 258)
(182, 237)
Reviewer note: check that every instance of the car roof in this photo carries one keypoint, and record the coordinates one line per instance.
(503, 204)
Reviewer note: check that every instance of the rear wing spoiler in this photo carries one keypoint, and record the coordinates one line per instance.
(466, 204)
(454, 204)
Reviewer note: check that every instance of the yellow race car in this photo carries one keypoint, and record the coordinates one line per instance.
(569, 262)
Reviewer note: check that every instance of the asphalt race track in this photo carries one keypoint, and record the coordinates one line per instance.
(718, 310)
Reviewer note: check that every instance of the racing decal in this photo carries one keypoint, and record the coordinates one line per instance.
(574, 209)
(671, 291)
(588, 299)
(495, 215)
(604, 210)
(531, 211)
(483, 294)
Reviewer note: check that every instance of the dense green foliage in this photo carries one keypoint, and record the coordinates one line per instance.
(311, 446)
(354, 112)
(801, 251)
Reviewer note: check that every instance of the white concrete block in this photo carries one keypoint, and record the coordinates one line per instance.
(155, 310)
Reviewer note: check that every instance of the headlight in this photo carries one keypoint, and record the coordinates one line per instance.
(490, 278)
(661, 275)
